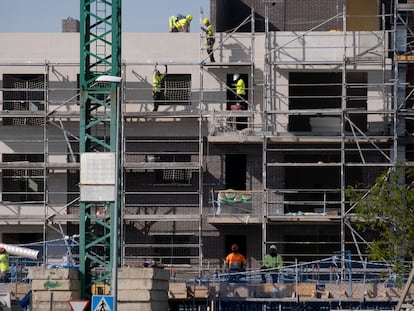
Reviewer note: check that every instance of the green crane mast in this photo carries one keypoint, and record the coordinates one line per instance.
(100, 54)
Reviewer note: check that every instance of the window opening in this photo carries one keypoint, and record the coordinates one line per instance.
(23, 92)
(173, 176)
(240, 240)
(235, 167)
(23, 185)
(323, 90)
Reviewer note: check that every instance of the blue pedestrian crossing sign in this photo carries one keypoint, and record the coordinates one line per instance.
(102, 303)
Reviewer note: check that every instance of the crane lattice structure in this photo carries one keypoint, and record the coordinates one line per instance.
(100, 54)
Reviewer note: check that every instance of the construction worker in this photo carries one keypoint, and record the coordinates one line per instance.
(172, 20)
(4, 264)
(235, 262)
(208, 28)
(183, 24)
(240, 92)
(240, 97)
(274, 261)
(157, 88)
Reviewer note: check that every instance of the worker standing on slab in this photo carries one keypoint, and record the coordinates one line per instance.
(157, 88)
(274, 261)
(235, 262)
(240, 92)
(208, 28)
(239, 89)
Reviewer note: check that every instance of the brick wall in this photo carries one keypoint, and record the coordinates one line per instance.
(292, 15)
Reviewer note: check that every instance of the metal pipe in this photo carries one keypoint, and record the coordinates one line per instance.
(20, 251)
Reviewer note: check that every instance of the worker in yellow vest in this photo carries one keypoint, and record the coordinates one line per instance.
(157, 88)
(183, 24)
(4, 264)
(240, 86)
(208, 28)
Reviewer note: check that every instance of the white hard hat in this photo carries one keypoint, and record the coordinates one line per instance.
(236, 76)
(273, 247)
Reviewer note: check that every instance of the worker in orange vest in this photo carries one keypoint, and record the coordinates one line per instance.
(235, 262)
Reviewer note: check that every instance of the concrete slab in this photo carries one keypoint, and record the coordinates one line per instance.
(143, 306)
(142, 296)
(52, 274)
(55, 285)
(57, 296)
(144, 273)
(146, 284)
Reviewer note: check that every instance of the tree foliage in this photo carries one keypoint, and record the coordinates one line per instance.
(388, 210)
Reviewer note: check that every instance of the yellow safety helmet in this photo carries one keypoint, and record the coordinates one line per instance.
(206, 21)
(190, 17)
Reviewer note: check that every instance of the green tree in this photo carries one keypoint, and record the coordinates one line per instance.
(388, 210)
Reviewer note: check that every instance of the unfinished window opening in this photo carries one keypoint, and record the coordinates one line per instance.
(173, 176)
(23, 92)
(316, 187)
(235, 170)
(323, 90)
(167, 252)
(23, 185)
(240, 240)
(307, 245)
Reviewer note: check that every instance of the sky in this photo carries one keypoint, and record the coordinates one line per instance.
(137, 15)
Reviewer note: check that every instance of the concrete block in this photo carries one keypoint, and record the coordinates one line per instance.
(56, 285)
(338, 290)
(388, 292)
(56, 306)
(325, 294)
(57, 296)
(361, 290)
(143, 284)
(177, 291)
(36, 273)
(271, 290)
(197, 291)
(234, 290)
(306, 290)
(142, 296)
(142, 306)
(144, 273)
(213, 290)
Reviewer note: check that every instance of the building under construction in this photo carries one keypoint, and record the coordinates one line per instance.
(329, 106)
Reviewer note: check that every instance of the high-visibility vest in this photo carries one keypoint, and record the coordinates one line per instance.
(240, 87)
(156, 83)
(182, 24)
(4, 262)
(210, 31)
(273, 261)
(235, 262)
(171, 22)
